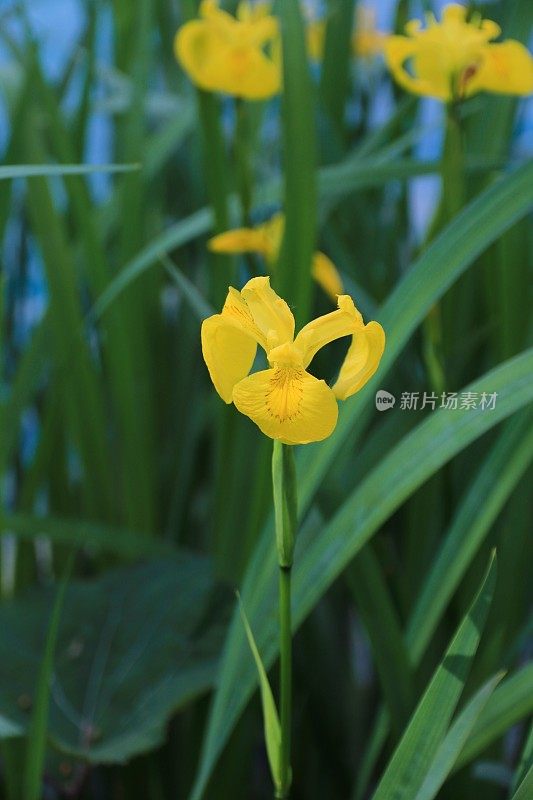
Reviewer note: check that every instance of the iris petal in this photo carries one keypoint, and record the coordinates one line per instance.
(288, 404)
(229, 353)
(362, 360)
(323, 330)
(271, 314)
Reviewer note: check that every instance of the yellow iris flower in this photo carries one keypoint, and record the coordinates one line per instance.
(222, 53)
(454, 59)
(285, 401)
(266, 240)
(367, 41)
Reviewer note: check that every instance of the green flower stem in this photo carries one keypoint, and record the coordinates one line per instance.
(285, 512)
(285, 672)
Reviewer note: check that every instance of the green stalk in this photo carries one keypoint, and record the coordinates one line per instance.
(285, 675)
(285, 513)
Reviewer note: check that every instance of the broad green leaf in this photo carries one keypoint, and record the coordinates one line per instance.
(418, 456)
(525, 790)
(134, 645)
(511, 702)
(419, 745)
(454, 740)
(270, 712)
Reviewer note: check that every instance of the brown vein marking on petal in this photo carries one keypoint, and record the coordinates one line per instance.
(468, 73)
(285, 394)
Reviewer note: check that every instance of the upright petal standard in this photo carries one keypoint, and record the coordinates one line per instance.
(455, 58)
(285, 401)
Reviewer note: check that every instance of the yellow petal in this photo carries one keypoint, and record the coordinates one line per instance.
(506, 68)
(316, 334)
(240, 240)
(397, 50)
(315, 35)
(270, 313)
(326, 275)
(197, 47)
(361, 361)
(228, 352)
(237, 312)
(245, 71)
(288, 404)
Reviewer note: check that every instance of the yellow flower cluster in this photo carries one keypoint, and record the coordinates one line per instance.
(285, 401)
(222, 53)
(266, 240)
(456, 58)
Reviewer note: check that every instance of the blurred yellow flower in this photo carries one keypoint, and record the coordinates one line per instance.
(266, 239)
(222, 53)
(454, 59)
(285, 401)
(367, 41)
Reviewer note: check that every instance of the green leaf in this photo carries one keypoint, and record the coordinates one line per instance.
(418, 456)
(200, 307)
(454, 740)
(84, 533)
(525, 790)
(456, 248)
(299, 165)
(133, 646)
(511, 702)
(50, 170)
(498, 476)
(37, 733)
(419, 745)
(176, 236)
(270, 712)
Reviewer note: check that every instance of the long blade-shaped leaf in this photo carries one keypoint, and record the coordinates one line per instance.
(270, 712)
(419, 745)
(454, 740)
(38, 728)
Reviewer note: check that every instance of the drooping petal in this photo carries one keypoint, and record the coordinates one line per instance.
(239, 240)
(505, 68)
(247, 72)
(197, 47)
(270, 313)
(288, 404)
(323, 330)
(398, 49)
(361, 361)
(229, 353)
(326, 275)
